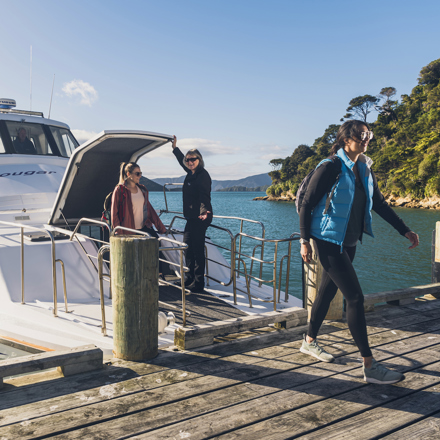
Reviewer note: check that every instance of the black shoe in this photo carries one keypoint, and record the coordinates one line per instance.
(189, 283)
(197, 289)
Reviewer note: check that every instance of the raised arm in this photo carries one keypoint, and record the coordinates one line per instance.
(179, 155)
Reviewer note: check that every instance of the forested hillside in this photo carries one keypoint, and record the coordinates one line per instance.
(405, 147)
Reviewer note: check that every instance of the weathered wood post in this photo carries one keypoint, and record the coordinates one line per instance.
(435, 257)
(312, 280)
(134, 275)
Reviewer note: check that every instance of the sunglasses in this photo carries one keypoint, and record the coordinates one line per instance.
(138, 173)
(192, 159)
(366, 135)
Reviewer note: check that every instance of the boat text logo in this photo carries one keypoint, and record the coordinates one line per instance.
(26, 173)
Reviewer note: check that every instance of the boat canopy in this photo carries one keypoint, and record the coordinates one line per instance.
(93, 172)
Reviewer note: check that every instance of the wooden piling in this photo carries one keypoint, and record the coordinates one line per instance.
(435, 256)
(135, 296)
(312, 280)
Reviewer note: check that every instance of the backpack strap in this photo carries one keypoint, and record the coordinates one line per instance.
(335, 159)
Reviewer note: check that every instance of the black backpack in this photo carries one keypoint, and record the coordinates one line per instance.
(106, 214)
(305, 183)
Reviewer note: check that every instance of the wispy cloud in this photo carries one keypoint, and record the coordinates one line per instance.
(273, 152)
(207, 147)
(80, 88)
(83, 135)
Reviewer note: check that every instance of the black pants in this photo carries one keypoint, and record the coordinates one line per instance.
(194, 237)
(154, 234)
(338, 272)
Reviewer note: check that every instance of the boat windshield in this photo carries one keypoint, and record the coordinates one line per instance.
(40, 139)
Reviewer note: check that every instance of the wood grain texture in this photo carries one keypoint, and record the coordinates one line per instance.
(135, 296)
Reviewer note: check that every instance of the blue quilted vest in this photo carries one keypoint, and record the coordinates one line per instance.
(333, 225)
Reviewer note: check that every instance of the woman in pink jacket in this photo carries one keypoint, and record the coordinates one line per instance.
(130, 205)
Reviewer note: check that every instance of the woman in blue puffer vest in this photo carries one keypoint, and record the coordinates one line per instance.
(336, 232)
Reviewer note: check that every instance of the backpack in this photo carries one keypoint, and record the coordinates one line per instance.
(305, 183)
(106, 214)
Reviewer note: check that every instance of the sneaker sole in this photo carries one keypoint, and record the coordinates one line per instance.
(382, 382)
(302, 350)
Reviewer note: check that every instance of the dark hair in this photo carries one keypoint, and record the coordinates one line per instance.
(196, 152)
(126, 167)
(348, 130)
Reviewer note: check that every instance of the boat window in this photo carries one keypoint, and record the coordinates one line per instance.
(65, 141)
(2, 147)
(28, 138)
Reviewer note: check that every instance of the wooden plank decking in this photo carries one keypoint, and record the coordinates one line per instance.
(260, 387)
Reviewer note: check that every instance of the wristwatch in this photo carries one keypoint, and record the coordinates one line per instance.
(303, 241)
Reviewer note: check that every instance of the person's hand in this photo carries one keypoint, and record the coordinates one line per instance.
(306, 252)
(413, 238)
(174, 144)
(204, 216)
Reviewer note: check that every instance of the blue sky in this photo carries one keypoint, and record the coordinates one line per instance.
(245, 81)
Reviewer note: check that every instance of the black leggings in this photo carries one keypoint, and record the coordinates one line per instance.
(194, 237)
(338, 272)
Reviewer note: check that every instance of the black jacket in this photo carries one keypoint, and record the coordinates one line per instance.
(196, 189)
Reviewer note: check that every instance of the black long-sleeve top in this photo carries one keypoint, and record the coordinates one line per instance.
(321, 183)
(196, 189)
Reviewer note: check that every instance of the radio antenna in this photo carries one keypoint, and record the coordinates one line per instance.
(30, 98)
(50, 105)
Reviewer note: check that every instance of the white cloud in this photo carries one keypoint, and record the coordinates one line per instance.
(83, 135)
(86, 91)
(206, 146)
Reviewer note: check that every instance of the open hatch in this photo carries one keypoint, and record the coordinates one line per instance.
(93, 170)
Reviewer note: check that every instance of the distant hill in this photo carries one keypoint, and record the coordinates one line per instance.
(217, 185)
(150, 184)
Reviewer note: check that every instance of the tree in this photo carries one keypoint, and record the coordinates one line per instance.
(360, 107)
(430, 74)
(276, 164)
(387, 93)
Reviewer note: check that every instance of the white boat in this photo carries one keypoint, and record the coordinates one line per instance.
(51, 195)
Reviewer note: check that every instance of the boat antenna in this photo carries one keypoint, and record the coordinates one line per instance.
(50, 105)
(31, 83)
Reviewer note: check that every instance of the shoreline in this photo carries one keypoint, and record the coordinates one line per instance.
(397, 202)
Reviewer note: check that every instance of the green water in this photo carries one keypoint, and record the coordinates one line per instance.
(383, 263)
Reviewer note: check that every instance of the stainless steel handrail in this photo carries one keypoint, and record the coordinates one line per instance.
(293, 237)
(64, 285)
(180, 247)
(54, 272)
(232, 265)
(165, 194)
(101, 252)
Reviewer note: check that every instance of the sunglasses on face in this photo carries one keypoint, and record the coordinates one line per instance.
(191, 159)
(366, 135)
(138, 173)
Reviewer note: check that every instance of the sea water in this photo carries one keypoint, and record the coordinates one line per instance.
(382, 263)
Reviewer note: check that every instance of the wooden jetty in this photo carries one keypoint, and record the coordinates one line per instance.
(257, 385)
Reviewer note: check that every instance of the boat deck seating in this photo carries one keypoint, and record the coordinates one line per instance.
(68, 362)
(204, 334)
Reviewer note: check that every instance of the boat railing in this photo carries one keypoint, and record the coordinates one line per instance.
(276, 278)
(174, 246)
(54, 260)
(230, 250)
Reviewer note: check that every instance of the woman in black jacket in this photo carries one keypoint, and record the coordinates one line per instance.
(197, 210)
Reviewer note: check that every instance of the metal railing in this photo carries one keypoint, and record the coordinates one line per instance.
(248, 275)
(53, 263)
(237, 257)
(181, 247)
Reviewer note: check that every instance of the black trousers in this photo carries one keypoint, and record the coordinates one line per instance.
(154, 234)
(194, 237)
(338, 272)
